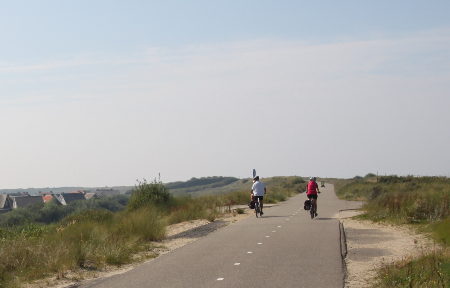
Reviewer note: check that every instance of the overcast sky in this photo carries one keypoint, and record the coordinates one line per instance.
(101, 93)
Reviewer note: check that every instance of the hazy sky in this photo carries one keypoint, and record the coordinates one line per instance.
(101, 93)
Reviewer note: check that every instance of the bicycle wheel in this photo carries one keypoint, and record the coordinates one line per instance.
(312, 211)
(257, 209)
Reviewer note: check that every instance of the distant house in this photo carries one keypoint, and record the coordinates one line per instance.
(89, 195)
(73, 196)
(59, 199)
(24, 201)
(66, 198)
(12, 201)
(47, 198)
(5, 203)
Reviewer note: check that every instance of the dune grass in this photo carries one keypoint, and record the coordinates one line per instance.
(85, 241)
(424, 203)
(402, 199)
(432, 270)
(93, 239)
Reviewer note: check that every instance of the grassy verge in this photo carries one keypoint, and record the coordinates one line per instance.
(432, 270)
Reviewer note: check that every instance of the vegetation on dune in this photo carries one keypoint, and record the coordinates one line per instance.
(432, 270)
(420, 201)
(89, 240)
(50, 239)
(401, 199)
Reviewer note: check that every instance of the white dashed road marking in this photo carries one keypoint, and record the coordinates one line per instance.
(249, 252)
(220, 279)
(259, 243)
(237, 264)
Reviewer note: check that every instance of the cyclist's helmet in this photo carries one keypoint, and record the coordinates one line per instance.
(256, 178)
(312, 178)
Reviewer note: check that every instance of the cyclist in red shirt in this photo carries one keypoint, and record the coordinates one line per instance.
(312, 191)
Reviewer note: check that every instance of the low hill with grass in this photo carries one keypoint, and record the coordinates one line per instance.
(207, 185)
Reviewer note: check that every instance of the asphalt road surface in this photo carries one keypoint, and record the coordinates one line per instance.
(284, 248)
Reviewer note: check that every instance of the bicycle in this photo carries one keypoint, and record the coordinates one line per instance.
(313, 209)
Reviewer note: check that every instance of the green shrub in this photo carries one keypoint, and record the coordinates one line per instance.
(204, 207)
(154, 193)
(19, 216)
(52, 212)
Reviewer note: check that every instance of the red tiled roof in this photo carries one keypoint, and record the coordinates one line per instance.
(47, 198)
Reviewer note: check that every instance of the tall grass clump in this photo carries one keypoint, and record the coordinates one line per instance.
(145, 223)
(188, 208)
(402, 199)
(88, 240)
(431, 270)
(149, 193)
(441, 231)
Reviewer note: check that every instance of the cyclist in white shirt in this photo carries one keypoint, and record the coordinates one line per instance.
(258, 191)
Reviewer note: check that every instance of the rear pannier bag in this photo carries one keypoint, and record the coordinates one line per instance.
(307, 204)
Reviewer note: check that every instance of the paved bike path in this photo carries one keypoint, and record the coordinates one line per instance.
(284, 248)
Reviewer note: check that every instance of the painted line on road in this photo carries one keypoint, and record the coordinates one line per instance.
(259, 243)
(267, 236)
(249, 252)
(279, 226)
(237, 264)
(273, 231)
(220, 279)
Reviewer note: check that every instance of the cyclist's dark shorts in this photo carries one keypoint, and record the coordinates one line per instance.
(312, 196)
(260, 197)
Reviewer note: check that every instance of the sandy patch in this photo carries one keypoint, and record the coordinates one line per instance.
(178, 235)
(371, 246)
